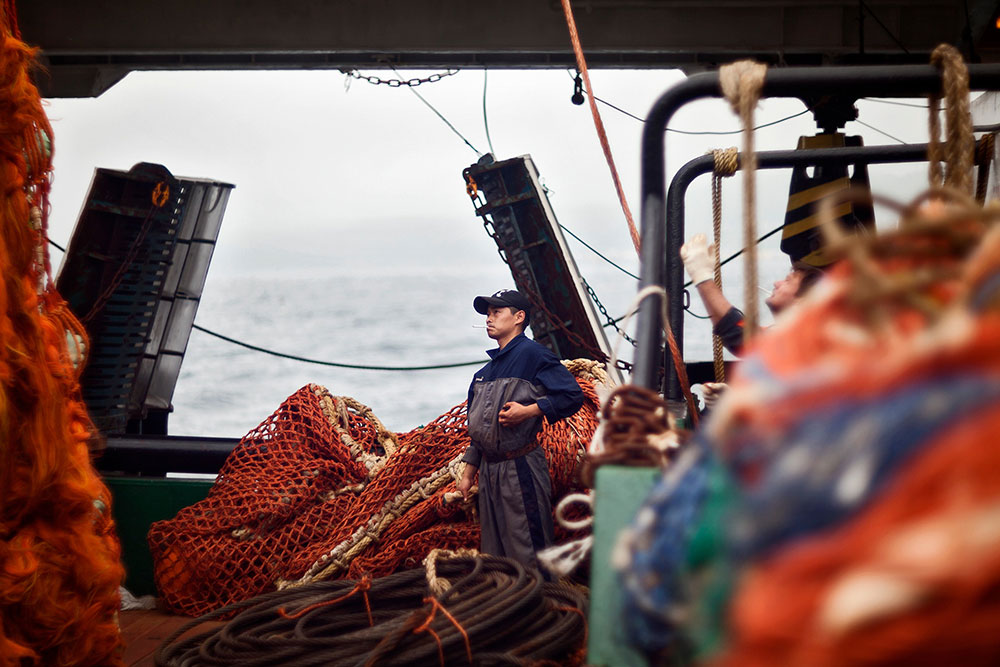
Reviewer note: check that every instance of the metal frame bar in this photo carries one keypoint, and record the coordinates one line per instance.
(677, 193)
(876, 81)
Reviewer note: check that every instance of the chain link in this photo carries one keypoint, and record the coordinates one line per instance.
(607, 316)
(396, 83)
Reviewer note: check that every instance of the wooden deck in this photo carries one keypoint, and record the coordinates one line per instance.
(144, 630)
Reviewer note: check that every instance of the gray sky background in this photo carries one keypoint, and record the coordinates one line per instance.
(367, 176)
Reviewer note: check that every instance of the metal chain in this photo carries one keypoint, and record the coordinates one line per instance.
(604, 311)
(396, 83)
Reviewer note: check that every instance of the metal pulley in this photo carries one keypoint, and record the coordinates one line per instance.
(801, 237)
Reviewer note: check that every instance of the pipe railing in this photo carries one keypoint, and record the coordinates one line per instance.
(799, 82)
(677, 193)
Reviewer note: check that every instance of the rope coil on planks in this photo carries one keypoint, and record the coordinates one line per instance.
(494, 612)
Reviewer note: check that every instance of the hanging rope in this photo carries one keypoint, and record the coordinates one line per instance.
(726, 163)
(335, 364)
(741, 84)
(581, 65)
(958, 153)
(984, 158)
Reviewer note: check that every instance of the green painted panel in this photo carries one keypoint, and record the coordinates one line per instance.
(135, 504)
(619, 491)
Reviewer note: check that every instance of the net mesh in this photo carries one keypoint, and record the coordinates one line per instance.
(321, 489)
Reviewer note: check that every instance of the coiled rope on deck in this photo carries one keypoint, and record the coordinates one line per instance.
(494, 612)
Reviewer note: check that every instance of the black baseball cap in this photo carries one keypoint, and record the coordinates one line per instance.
(503, 299)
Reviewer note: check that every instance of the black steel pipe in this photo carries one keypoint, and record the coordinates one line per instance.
(677, 192)
(868, 81)
(156, 456)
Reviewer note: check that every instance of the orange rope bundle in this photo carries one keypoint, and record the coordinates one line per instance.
(928, 554)
(320, 490)
(59, 556)
(910, 579)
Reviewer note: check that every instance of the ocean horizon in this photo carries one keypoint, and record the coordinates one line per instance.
(374, 318)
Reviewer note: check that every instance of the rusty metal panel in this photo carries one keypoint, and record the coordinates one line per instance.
(524, 226)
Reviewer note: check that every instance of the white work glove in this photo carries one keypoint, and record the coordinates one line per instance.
(711, 393)
(697, 257)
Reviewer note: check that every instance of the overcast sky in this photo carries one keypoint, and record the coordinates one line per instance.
(336, 173)
(330, 172)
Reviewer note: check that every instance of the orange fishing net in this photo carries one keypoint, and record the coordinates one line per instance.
(321, 489)
(59, 557)
(912, 578)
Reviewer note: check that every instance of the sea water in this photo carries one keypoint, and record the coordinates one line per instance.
(374, 317)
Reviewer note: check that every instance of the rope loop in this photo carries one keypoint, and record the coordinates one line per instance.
(726, 161)
(439, 585)
(573, 498)
(960, 144)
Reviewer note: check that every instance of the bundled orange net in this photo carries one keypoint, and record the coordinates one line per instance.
(911, 578)
(59, 557)
(321, 490)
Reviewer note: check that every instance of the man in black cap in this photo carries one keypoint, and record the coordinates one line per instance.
(523, 382)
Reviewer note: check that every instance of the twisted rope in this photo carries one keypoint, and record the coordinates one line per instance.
(438, 585)
(497, 613)
(985, 148)
(955, 229)
(637, 431)
(741, 84)
(726, 162)
(960, 143)
(339, 558)
(336, 410)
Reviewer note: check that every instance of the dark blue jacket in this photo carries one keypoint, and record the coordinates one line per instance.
(524, 372)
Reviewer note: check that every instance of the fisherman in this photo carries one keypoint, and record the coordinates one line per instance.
(508, 397)
(727, 319)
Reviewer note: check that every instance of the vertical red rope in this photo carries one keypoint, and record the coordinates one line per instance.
(581, 64)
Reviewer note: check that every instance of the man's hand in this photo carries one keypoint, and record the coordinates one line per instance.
(512, 414)
(465, 483)
(697, 257)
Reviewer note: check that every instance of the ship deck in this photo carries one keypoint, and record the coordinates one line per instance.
(144, 630)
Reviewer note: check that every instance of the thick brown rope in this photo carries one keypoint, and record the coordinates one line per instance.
(726, 163)
(958, 152)
(581, 64)
(637, 431)
(741, 84)
(953, 230)
(985, 149)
